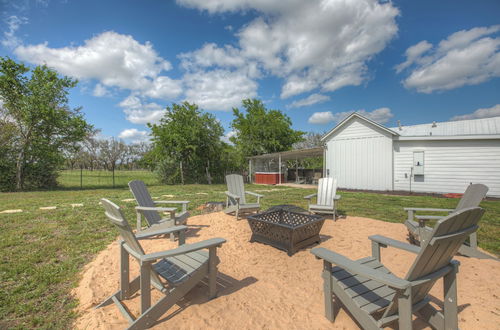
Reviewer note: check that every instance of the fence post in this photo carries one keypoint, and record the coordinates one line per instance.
(81, 176)
(113, 176)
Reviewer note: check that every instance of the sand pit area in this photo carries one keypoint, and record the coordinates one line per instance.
(260, 287)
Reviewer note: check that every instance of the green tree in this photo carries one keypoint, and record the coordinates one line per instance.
(186, 145)
(35, 104)
(260, 131)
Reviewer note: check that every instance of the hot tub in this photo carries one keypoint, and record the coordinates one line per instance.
(269, 177)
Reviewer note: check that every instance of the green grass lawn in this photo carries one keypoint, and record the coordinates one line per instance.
(43, 251)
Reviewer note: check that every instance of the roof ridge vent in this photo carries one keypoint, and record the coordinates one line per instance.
(434, 124)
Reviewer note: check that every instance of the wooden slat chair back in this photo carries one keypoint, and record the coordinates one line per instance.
(143, 198)
(446, 238)
(472, 196)
(236, 186)
(419, 232)
(115, 215)
(327, 188)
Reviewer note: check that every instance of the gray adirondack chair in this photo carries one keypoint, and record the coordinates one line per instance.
(151, 211)
(181, 268)
(376, 298)
(418, 231)
(235, 196)
(327, 197)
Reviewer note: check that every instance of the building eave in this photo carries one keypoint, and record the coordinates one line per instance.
(448, 137)
(357, 115)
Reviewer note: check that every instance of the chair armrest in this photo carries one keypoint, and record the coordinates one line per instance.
(427, 209)
(164, 231)
(310, 196)
(172, 202)
(357, 268)
(254, 194)
(155, 208)
(386, 241)
(232, 196)
(183, 249)
(184, 204)
(428, 217)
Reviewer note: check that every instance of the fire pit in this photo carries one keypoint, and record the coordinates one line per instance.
(286, 230)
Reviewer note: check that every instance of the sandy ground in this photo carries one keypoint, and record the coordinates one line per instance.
(260, 287)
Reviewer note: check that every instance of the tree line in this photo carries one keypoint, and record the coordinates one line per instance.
(41, 134)
(107, 154)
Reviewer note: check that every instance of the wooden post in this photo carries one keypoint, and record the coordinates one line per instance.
(81, 176)
(450, 299)
(124, 275)
(250, 170)
(279, 168)
(113, 169)
(405, 312)
(212, 272)
(145, 286)
(327, 290)
(375, 250)
(324, 161)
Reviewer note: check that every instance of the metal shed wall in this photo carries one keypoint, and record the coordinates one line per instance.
(449, 165)
(359, 155)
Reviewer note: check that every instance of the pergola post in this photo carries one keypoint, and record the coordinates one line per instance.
(279, 168)
(324, 160)
(250, 170)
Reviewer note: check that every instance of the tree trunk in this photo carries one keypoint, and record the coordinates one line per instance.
(19, 170)
(209, 178)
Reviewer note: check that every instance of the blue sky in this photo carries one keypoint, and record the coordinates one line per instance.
(413, 61)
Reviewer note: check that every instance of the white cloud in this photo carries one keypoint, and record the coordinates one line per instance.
(10, 40)
(134, 135)
(310, 100)
(494, 111)
(228, 135)
(100, 91)
(113, 59)
(310, 44)
(219, 89)
(321, 118)
(139, 112)
(413, 54)
(381, 116)
(211, 55)
(164, 88)
(467, 57)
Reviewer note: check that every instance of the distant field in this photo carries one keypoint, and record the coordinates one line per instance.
(42, 252)
(102, 178)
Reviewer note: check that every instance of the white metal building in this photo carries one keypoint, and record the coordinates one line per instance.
(437, 157)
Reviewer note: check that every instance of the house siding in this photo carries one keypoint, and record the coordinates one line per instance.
(359, 155)
(449, 166)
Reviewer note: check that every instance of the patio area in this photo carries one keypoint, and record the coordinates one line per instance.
(260, 287)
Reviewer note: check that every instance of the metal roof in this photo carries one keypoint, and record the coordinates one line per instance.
(485, 126)
(293, 154)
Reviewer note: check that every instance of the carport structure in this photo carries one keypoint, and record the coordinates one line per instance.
(270, 168)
